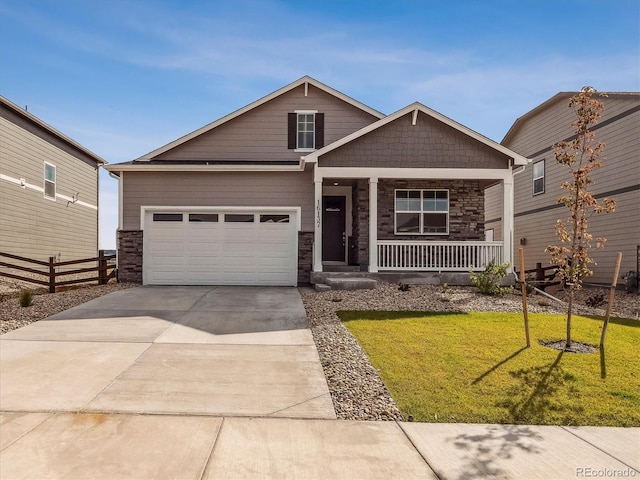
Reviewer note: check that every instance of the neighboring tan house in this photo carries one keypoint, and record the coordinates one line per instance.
(307, 180)
(48, 190)
(537, 188)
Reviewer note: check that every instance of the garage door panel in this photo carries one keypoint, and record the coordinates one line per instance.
(208, 252)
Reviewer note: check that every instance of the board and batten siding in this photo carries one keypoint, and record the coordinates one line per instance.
(30, 224)
(217, 189)
(261, 133)
(536, 215)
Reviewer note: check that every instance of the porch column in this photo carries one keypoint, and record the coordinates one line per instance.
(317, 232)
(373, 224)
(507, 221)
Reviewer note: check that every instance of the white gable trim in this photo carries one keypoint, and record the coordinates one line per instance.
(415, 107)
(306, 80)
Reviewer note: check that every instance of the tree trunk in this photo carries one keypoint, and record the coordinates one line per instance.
(569, 311)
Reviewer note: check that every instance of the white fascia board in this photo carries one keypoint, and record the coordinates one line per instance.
(518, 159)
(417, 173)
(228, 209)
(145, 167)
(304, 80)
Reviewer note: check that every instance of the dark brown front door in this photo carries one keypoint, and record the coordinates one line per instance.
(333, 228)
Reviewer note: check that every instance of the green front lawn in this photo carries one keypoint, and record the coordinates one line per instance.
(473, 367)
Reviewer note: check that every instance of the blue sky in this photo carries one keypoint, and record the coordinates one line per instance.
(125, 77)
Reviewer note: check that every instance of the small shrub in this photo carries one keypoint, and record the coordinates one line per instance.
(595, 300)
(26, 298)
(488, 281)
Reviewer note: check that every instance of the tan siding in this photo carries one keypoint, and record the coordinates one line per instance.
(280, 189)
(31, 225)
(429, 143)
(621, 170)
(622, 230)
(554, 124)
(261, 133)
(493, 210)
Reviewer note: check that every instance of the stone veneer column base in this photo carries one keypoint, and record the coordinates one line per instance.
(130, 256)
(305, 256)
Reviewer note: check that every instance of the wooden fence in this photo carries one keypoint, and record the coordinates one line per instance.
(544, 276)
(50, 277)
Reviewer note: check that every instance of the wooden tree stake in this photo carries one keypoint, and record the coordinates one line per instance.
(612, 295)
(523, 286)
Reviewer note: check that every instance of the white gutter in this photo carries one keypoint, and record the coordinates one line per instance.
(146, 167)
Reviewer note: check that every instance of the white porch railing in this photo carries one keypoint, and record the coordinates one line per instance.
(437, 256)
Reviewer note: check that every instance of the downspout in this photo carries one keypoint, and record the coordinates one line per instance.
(512, 209)
(98, 206)
(117, 177)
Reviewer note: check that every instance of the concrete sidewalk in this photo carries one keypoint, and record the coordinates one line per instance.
(225, 382)
(97, 446)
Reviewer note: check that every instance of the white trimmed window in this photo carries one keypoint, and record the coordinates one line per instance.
(538, 177)
(306, 131)
(49, 181)
(422, 212)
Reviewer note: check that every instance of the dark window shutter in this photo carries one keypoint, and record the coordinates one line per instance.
(319, 130)
(293, 130)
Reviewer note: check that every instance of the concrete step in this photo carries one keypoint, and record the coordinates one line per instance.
(322, 287)
(351, 283)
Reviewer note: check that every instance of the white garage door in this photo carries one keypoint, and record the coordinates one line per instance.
(218, 247)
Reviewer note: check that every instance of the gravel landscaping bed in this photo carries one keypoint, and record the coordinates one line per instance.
(13, 316)
(356, 389)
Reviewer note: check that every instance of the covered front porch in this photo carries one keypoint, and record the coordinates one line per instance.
(364, 223)
(410, 188)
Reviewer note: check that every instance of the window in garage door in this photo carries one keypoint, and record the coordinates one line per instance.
(167, 217)
(239, 218)
(203, 217)
(274, 218)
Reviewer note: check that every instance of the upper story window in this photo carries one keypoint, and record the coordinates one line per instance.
(422, 212)
(49, 181)
(538, 177)
(306, 130)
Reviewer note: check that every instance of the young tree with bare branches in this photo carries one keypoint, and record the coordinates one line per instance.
(581, 154)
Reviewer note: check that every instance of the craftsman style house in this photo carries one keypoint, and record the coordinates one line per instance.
(537, 187)
(307, 180)
(48, 190)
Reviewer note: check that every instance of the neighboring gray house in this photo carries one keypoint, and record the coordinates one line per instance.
(48, 190)
(307, 180)
(537, 188)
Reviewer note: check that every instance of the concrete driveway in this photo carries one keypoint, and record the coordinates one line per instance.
(222, 351)
(206, 383)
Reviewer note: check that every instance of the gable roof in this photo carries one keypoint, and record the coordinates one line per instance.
(418, 107)
(306, 80)
(49, 129)
(520, 121)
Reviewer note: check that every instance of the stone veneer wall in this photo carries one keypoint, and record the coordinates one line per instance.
(466, 212)
(130, 256)
(466, 209)
(361, 222)
(305, 256)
